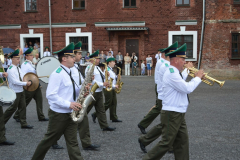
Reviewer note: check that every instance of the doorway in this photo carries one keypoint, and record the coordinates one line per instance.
(132, 46)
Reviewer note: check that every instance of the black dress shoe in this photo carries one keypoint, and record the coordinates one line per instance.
(92, 147)
(94, 118)
(44, 119)
(17, 120)
(109, 129)
(116, 120)
(56, 146)
(27, 127)
(142, 146)
(142, 129)
(7, 143)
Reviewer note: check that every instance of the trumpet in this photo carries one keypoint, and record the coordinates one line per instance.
(207, 79)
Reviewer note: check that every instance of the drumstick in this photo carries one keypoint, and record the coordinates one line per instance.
(3, 83)
(43, 76)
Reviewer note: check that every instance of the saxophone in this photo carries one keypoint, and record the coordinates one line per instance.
(77, 116)
(106, 78)
(119, 83)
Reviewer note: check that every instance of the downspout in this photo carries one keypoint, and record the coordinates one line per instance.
(50, 25)
(202, 34)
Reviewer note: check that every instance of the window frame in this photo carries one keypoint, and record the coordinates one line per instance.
(183, 3)
(179, 44)
(25, 5)
(184, 32)
(130, 6)
(80, 8)
(238, 45)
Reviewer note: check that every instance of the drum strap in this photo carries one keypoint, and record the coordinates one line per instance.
(19, 74)
(74, 91)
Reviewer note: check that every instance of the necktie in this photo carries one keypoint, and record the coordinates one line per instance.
(187, 94)
(19, 74)
(74, 92)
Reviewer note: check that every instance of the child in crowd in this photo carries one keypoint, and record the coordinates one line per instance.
(143, 68)
(134, 67)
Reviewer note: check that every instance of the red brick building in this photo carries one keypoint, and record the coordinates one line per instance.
(142, 26)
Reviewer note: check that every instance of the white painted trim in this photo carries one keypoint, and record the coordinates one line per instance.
(184, 32)
(72, 4)
(11, 27)
(185, 23)
(80, 34)
(25, 6)
(119, 24)
(57, 25)
(32, 35)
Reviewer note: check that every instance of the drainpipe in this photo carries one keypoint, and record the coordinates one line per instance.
(50, 25)
(202, 34)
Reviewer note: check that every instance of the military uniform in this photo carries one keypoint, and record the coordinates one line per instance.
(110, 96)
(2, 125)
(28, 67)
(61, 91)
(15, 76)
(147, 120)
(174, 107)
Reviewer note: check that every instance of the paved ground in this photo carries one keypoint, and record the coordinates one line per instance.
(212, 119)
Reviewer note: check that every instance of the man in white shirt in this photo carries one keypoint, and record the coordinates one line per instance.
(110, 96)
(3, 139)
(61, 94)
(174, 106)
(36, 59)
(99, 78)
(84, 133)
(29, 67)
(15, 76)
(9, 62)
(158, 55)
(46, 53)
(155, 111)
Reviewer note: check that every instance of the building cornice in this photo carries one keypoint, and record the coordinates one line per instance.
(57, 25)
(186, 22)
(112, 24)
(11, 26)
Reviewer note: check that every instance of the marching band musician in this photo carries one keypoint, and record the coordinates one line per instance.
(155, 111)
(61, 95)
(3, 140)
(174, 106)
(29, 67)
(98, 103)
(110, 96)
(84, 133)
(15, 76)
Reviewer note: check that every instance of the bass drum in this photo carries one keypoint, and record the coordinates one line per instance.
(7, 96)
(46, 66)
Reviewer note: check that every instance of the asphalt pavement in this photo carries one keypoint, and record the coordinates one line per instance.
(213, 120)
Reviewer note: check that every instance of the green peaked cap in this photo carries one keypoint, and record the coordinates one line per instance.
(95, 54)
(14, 54)
(28, 51)
(180, 52)
(68, 50)
(161, 49)
(78, 46)
(110, 59)
(172, 47)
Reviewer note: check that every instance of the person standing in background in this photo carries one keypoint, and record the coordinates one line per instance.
(119, 59)
(110, 51)
(46, 53)
(127, 60)
(149, 65)
(35, 51)
(143, 68)
(102, 57)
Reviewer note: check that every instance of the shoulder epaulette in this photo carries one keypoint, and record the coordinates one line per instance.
(59, 70)
(166, 65)
(25, 62)
(108, 69)
(10, 67)
(171, 70)
(162, 61)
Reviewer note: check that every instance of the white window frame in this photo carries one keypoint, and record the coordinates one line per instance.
(80, 34)
(184, 32)
(25, 7)
(32, 35)
(84, 7)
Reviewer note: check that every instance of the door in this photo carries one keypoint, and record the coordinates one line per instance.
(132, 46)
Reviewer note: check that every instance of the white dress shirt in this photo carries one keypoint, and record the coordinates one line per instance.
(158, 56)
(60, 90)
(46, 54)
(76, 74)
(97, 77)
(113, 76)
(158, 65)
(176, 89)
(9, 62)
(27, 67)
(13, 79)
(160, 74)
(5, 64)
